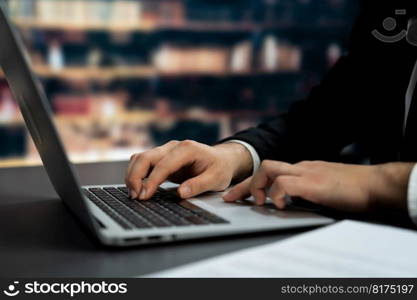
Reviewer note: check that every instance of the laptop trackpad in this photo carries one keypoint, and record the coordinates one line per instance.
(246, 208)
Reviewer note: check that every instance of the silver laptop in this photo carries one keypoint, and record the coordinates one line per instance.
(107, 211)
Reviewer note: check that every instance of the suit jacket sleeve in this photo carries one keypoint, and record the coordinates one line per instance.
(329, 119)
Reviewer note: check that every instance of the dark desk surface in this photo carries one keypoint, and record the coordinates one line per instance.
(40, 238)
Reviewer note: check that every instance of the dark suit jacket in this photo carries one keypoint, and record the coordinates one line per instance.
(361, 100)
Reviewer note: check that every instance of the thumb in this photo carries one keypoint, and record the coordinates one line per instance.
(194, 186)
(239, 192)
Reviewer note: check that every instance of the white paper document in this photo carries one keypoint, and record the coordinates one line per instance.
(345, 249)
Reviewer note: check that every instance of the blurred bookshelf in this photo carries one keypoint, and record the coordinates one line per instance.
(126, 75)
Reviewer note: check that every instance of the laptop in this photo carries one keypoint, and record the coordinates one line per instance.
(107, 211)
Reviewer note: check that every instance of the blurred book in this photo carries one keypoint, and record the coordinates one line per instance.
(89, 105)
(241, 58)
(187, 59)
(280, 56)
(126, 13)
(71, 105)
(12, 129)
(171, 12)
(150, 14)
(22, 9)
(9, 111)
(334, 52)
(56, 59)
(93, 13)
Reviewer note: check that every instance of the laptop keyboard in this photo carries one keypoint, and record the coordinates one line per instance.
(164, 209)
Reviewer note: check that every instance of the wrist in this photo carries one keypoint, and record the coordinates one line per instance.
(238, 158)
(389, 185)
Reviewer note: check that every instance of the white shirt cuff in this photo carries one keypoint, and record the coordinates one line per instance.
(412, 195)
(255, 156)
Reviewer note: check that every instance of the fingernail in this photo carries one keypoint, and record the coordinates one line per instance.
(133, 194)
(142, 194)
(185, 192)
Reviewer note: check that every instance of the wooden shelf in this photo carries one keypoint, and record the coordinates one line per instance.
(135, 117)
(186, 26)
(189, 26)
(19, 162)
(218, 27)
(34, 24)
(77, 158)
(85, 73)
(12, 123)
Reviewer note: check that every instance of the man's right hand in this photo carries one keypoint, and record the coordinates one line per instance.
(197, 167)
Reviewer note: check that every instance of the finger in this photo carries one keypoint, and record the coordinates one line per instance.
(238, 192)
(207, 181)
(276, 168)
(266, 174)
(131, 162)
(141, 164)
(177, 159)
(138, 171)
(277, 193)
(129, 169)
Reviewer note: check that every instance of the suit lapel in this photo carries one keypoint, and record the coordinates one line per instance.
(410, 136)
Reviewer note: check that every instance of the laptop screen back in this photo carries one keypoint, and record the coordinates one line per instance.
(36, 112)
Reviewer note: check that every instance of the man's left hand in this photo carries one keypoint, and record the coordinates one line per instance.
(354, 188)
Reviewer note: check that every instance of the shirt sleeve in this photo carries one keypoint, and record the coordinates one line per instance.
(412, 195)
(255, 156)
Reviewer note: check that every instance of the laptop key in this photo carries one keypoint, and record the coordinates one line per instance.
(170, 207)
(136, 220)
(141, 210)
(123, 189)
(108, 211)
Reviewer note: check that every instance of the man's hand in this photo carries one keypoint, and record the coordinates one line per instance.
(198, 167)
(345, 187)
